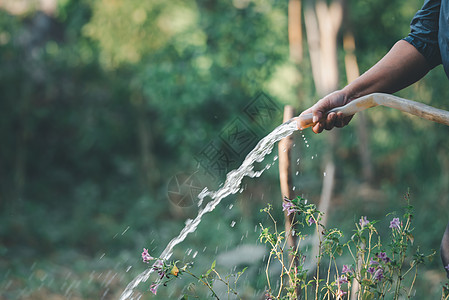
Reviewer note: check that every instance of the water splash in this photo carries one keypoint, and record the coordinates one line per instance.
(231, 186)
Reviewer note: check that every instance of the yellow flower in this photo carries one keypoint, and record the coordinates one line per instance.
(174, 271)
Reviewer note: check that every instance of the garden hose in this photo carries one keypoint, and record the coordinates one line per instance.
(409, 106)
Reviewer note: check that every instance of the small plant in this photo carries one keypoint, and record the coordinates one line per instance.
(445, 294)
(167, 271)
(375, 270)
(378, 270)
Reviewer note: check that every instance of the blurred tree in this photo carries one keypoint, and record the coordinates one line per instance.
(105, 92)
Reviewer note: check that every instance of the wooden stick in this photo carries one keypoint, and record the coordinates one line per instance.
(285, 178)
(285, 146)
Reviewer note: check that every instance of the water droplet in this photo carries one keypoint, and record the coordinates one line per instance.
(128, 268)
(275, 158)
(324, 174)
(231, 206)
(195, 254)
(312, 156)
(232, 223)
(102, 297)
(297, 172)
(307, 145)
(125, 230)
(294, 188)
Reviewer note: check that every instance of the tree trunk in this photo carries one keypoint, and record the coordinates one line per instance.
(352, 72)
(322, 25)
(295, 30)
(145, 143)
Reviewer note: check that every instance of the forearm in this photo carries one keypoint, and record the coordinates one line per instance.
(402, 66)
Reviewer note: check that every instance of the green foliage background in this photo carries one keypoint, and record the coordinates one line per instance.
(104, 101)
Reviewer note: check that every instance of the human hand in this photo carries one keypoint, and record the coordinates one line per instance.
(321, 120)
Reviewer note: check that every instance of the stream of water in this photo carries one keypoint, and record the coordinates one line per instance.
(231, 186)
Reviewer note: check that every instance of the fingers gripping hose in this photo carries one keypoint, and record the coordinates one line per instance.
(412, 107)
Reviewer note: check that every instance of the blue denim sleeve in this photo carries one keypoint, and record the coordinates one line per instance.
(424, 32)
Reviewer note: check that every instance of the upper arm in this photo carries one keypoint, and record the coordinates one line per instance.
(424, 32)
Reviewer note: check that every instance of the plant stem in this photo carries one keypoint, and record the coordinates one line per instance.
(266, 272)
(203, 282)
(413, 282)
(318, 262)
(230, 289)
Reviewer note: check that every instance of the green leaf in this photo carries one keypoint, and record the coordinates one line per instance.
(410, 237)
(242, 271)
(339, 250)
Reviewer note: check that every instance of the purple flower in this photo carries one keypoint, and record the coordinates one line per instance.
(345, 269)
(447, 268)
(153, 288)
(383, 256)
(342, 279)
(394, 224)
(146, 257)
(363, 221)
(268, 296)
(159, 267)
(371, 270)
(379, 274)
(311, 221)
(289, 206)
(340, 294)
(373, 262)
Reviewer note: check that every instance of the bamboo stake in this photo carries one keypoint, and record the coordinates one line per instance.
(284, 149)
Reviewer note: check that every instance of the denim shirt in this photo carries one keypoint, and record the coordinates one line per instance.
(429, 33)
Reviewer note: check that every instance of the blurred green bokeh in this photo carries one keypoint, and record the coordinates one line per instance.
(103, 102)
